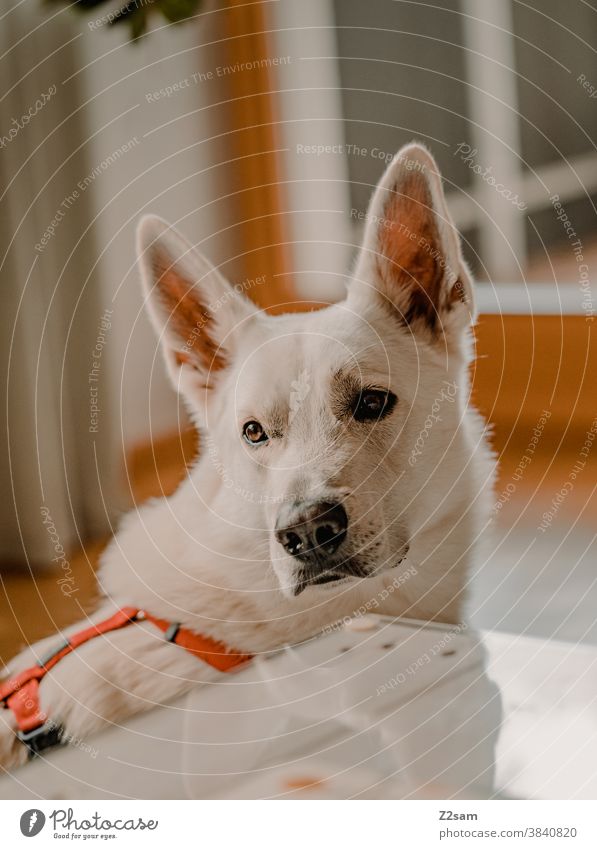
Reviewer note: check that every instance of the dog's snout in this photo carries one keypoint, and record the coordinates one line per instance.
(313, 531)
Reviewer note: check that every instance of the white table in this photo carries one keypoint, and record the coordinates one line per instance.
(375, 709)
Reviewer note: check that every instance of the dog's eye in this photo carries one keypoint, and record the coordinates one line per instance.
(373, 404)
(254, 433)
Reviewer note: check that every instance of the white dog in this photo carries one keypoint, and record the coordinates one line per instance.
(340, 467)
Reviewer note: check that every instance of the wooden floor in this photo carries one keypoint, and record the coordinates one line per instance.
(34, 607)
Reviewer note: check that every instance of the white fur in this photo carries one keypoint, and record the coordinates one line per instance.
(207, 557)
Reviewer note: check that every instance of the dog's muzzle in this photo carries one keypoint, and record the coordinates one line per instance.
(314, 534)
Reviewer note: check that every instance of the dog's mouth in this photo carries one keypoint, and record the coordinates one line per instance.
(332, 578)
(328, 579)
(334, 574)
(343, 571)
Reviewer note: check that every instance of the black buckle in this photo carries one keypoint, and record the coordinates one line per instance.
(47, 657)
(172, 631)
(43, 737)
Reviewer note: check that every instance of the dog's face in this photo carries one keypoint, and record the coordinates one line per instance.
(330, 424)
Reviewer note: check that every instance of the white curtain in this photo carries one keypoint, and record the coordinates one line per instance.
(50, 488)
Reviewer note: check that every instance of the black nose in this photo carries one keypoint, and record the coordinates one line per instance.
(313, 531)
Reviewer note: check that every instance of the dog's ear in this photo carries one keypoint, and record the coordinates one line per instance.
(194, 310)
(411, 249)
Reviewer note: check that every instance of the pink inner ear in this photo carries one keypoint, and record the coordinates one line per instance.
(412, 266)
(181, 359)
(189, 320)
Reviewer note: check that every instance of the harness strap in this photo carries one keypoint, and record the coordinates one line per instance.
(20, 694)
(211, 651)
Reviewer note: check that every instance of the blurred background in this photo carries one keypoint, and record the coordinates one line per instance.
(259, 130)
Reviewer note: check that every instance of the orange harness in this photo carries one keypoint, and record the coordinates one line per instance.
(21, 693)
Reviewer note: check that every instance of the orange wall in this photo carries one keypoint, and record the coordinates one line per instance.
(527, 364)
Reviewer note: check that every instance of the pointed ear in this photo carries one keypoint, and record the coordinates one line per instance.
(195, 311)
(411, 249)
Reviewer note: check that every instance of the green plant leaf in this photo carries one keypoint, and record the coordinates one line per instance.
(178, 10)
(136, 13)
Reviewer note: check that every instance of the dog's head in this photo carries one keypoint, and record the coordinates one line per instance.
(337, 425)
